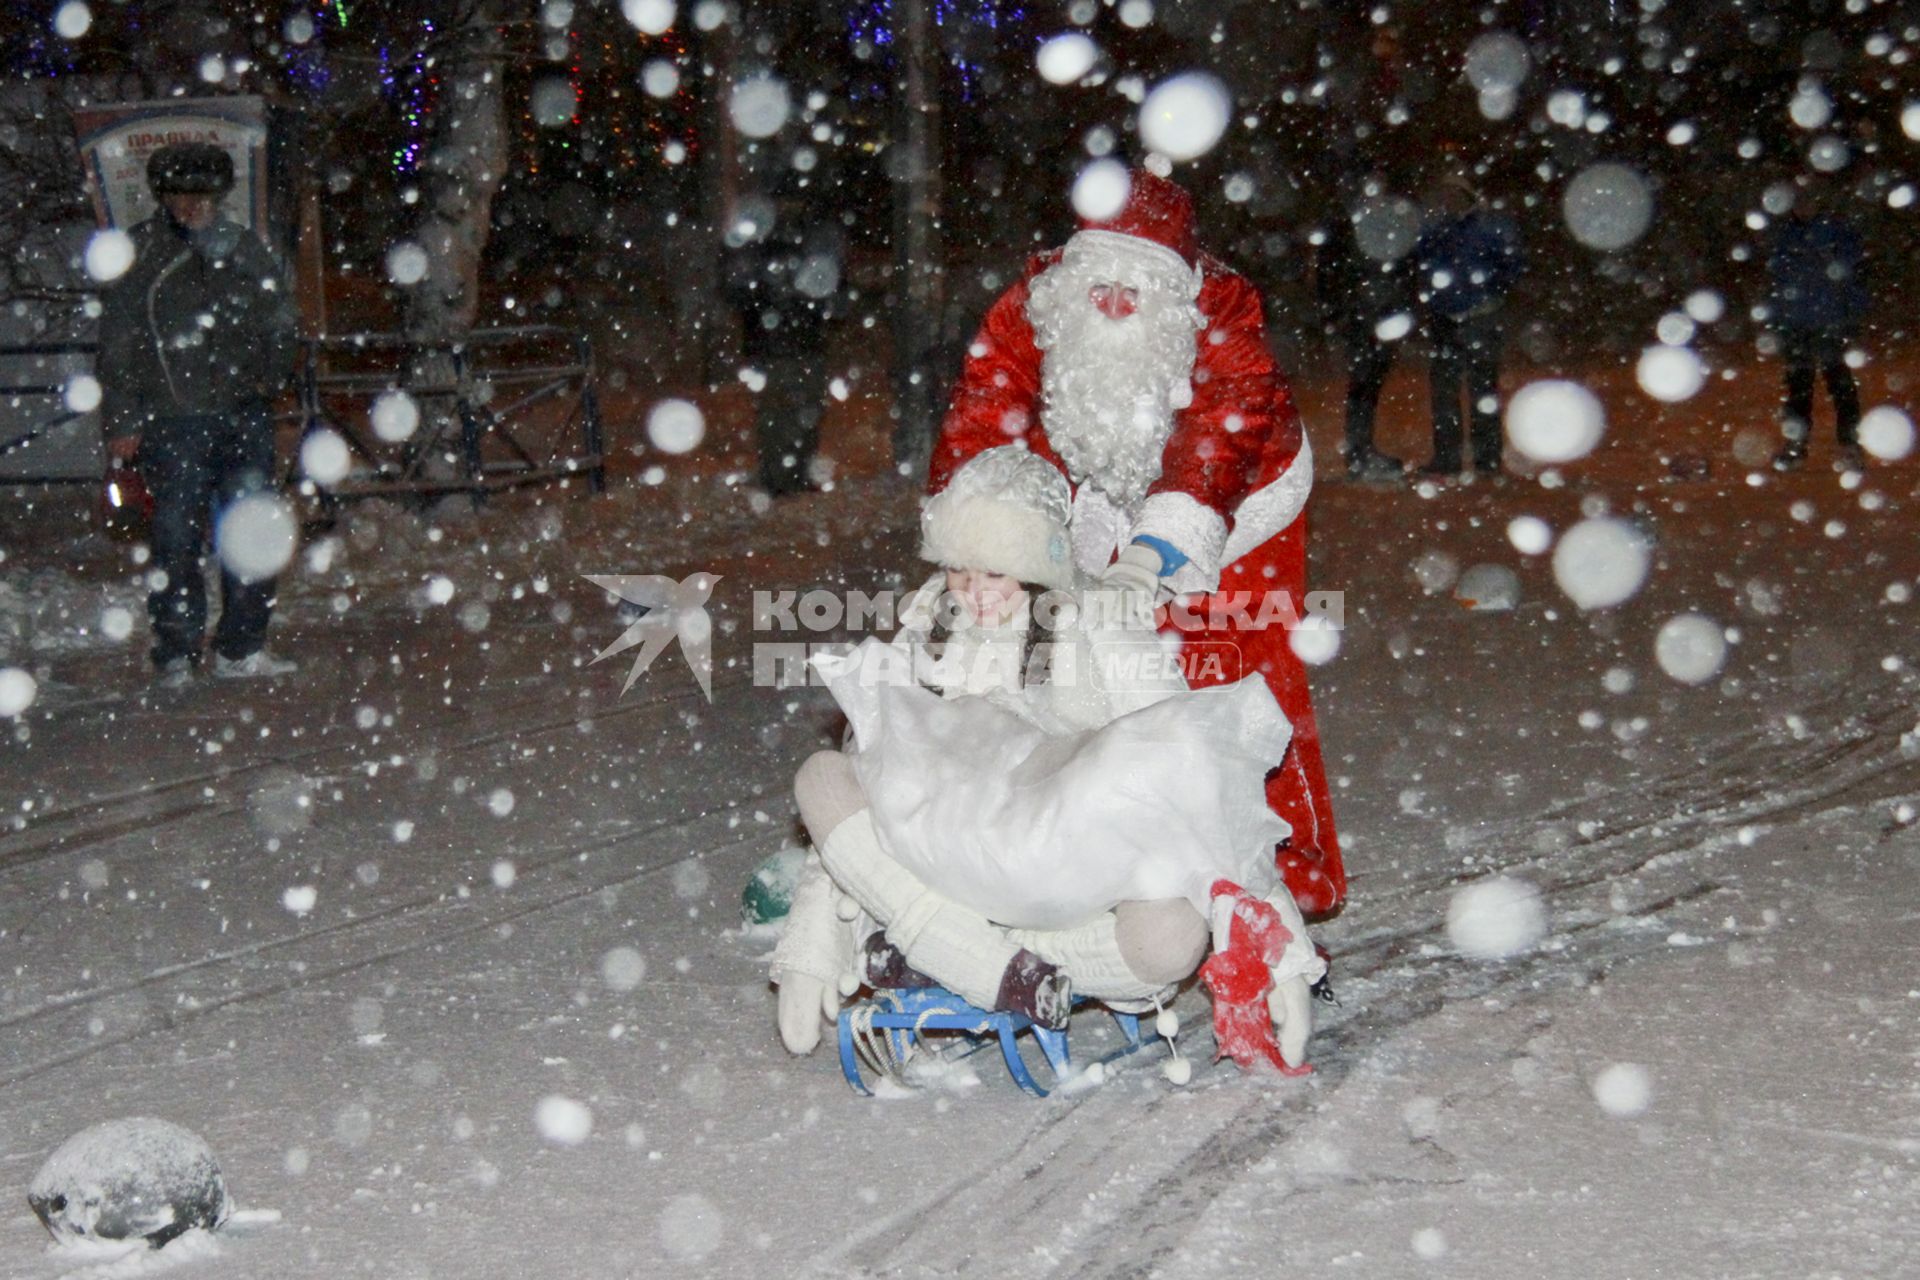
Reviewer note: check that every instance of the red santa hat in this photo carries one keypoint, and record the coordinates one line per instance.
(1006, 511)
(1158, 211)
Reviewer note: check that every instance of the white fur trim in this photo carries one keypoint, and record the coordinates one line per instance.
(1101, 528)
(1271, 508)
(979, 532)
(1190, 526)
(1006, 510)
(1013, 473)
(1130, 256)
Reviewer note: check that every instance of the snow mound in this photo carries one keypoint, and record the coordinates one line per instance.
(47, 611)
(130, 1179)
(124, 1259)
(1488, 588)
(127, 1259)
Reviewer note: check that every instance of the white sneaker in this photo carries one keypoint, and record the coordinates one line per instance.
(256, 665)
(174, 673)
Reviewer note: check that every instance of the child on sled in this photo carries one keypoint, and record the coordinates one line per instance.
(1019, 823)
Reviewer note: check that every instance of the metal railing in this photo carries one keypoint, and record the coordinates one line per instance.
(548, 426)
(35, 390)
(457, 384)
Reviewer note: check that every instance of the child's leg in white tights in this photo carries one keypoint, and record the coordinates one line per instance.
(956, 947)
(1133, 952)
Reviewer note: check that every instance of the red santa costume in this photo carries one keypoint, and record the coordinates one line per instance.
(1138, 365)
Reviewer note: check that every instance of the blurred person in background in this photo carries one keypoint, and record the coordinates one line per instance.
(1467, 262)
(784, 277)
(1817, 299)
(196, 339)
(1364, 278)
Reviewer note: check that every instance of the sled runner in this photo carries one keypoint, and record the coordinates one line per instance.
(877, 1036)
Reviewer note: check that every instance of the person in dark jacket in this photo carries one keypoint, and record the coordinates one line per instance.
(1468, 260)
(1818, 300)
(1365, 281)
(195, 341)
(783, 280)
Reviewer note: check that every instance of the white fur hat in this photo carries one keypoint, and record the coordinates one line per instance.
(1004, 511)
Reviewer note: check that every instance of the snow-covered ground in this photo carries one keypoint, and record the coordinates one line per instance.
(359, 929)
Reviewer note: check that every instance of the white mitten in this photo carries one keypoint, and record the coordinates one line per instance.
(805, 1002)
(815, 948)
(1290, 1004)
(1301, 959)
(1129, 588)
(1250, 931)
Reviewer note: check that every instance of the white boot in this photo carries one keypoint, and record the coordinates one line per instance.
(257, 665)
(957, 948)
(815, 948)
(1091, 954)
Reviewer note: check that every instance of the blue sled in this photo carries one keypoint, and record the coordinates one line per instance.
(881, 1031)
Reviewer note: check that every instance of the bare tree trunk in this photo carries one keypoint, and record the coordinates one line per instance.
(311, 259)
(703, 310)
(465, 166)
(464, 169)
(919, 285)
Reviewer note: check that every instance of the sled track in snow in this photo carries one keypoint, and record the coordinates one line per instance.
(406, 917)
(1082, 1139)
(1411, 990)
(61, 1019)
(106, 817)
(1392, 979)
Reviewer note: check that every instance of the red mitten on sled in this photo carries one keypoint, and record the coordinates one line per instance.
(1249, 937)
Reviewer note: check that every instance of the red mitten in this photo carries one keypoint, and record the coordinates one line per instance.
(1238, 975)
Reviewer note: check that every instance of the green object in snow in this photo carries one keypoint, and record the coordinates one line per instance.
(769, 892)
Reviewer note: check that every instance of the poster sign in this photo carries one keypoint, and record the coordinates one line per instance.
(116, 140)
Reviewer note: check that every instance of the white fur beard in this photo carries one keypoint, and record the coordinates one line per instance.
(1109, 390)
